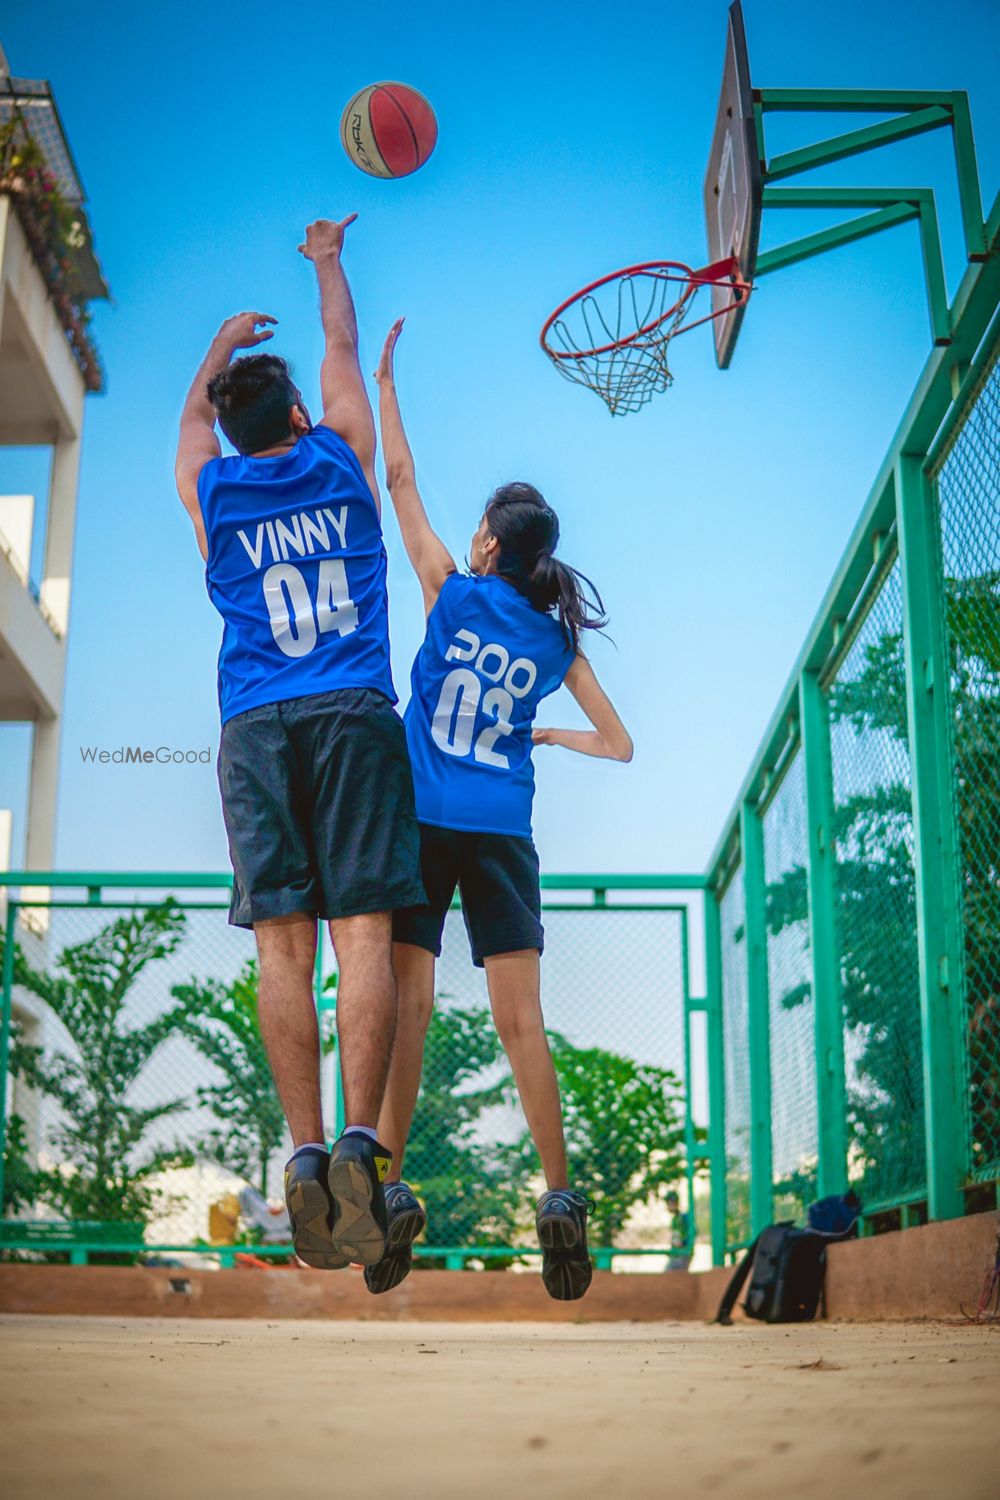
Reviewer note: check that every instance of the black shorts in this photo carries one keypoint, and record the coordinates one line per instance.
(497, 878)
(317, 796)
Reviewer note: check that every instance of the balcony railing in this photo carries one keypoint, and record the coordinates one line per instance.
(38, 175)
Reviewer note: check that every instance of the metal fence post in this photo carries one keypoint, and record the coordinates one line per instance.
(828, 1020)
(942, 1007)
(690, 1151)
(6, 1002)
(716, 1075)
(758, 1020)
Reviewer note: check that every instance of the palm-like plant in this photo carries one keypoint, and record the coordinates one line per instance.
(220, 1020)
(104, 1174)
(624, 1124)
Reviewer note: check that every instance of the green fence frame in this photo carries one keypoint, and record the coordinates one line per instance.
(50, 889)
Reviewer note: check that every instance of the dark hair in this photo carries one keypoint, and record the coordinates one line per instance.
(252, 398)
(528, 532)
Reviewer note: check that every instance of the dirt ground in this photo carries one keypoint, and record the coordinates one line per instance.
(194, 1409)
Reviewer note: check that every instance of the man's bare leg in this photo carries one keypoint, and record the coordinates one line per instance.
(514, 985)
(366, 1011)
(287, 1011)
(366, 1024)
(415, 985)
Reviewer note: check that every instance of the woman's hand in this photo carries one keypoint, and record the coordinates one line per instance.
(385, 374)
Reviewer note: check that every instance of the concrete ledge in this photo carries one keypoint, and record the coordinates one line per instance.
(930, 1272)
(445, 1296)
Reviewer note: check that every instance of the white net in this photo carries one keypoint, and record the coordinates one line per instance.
(614, 338)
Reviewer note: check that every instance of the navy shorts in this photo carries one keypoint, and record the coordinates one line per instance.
(317, 796)
(496, 875)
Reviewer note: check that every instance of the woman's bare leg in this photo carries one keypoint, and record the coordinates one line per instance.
(513, 980)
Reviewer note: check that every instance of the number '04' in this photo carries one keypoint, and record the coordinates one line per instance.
(462, 696)
(294, 624)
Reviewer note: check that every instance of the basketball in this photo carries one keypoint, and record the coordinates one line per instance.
(388, 130)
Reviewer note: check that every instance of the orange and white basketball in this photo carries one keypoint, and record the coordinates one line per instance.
(388, 130)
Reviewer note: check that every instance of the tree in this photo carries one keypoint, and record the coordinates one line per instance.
(220, 1021)
(974, 636)
(470, 1189)
(104, 1173)
(19, 1177)
(624, 1124)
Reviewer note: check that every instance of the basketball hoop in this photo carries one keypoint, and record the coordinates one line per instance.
(613, 336)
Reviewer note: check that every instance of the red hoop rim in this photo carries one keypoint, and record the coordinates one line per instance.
(719, 273)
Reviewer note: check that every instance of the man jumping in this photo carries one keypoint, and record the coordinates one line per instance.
(316, 788)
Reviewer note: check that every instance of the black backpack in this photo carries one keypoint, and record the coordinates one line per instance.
(789, 1266)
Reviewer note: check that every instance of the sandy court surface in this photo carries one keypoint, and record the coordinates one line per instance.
(195, 1409)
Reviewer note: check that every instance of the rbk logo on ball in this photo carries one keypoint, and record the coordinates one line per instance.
(388, 130)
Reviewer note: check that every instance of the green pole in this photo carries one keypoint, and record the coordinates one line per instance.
(689, 1140)
(831, 1094)
(758, 1020)
(716, 1075)
(969, 191)
(6, 1002)
(942, 1004)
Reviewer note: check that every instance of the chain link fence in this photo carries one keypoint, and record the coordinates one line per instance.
(736, 1055)
(968, 491)
(140, 1105)
(792, 1024)
(140, 1109)
(841, 831)
(877, 908)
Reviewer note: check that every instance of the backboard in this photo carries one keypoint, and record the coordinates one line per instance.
(733, 184)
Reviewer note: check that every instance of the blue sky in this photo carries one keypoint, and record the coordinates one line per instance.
(572, 140)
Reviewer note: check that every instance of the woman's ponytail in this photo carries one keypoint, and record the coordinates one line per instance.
(527, 530)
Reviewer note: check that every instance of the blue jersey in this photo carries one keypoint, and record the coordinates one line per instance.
(486, 663)
(296, 569)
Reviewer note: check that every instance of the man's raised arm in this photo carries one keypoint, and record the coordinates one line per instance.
(198, 441)
(346, 407)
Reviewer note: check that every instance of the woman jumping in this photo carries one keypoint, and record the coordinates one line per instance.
(499, 640)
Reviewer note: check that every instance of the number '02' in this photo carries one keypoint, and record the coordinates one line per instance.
(454, 722)
(294, 624)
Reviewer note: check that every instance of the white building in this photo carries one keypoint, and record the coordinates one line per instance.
(48, 365)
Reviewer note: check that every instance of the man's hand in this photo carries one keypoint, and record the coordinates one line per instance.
(241, 332)
(325, 237)
(384, 375)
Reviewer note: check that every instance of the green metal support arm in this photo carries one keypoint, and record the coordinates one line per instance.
(915, 113)
(918, 111)
(855, 141)
(861, 101)
(891, 206)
